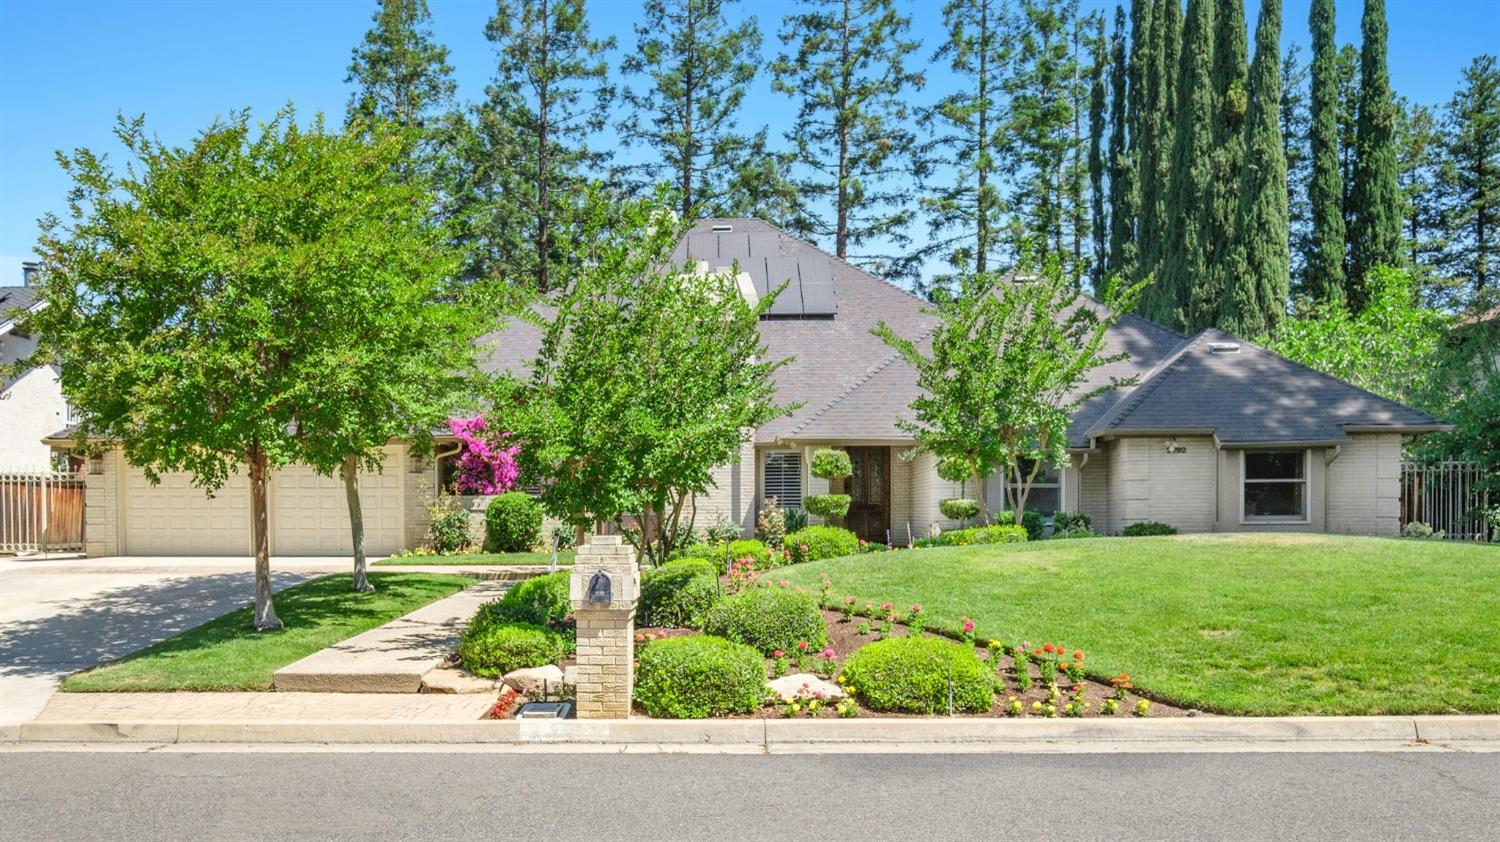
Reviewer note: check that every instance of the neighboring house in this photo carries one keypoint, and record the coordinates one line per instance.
(32, 404)
(1218, 435)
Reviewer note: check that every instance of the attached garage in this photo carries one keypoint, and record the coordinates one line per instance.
(308, 513)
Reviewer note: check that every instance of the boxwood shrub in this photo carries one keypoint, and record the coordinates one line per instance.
(815, 543)
(678, 594)
(494, 649)
(1007, 533)
(769, 619)
(512, 523)
(699, 677)
(540, 600)
(1148, 527)
(1032, 521)
(911, 674)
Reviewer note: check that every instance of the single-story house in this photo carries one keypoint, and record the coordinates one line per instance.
(1217, 435)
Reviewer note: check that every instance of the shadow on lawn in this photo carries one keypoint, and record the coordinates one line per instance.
(86, 630)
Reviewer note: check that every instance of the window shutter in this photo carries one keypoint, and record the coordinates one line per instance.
(783, 479)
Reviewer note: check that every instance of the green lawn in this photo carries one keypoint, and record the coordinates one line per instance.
(1245, 624)
(564, 557)
(228, 654)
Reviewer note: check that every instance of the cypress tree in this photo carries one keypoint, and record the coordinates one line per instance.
(1146, 135)
(1227, 142)
(1122, 170)
(1324, 262)
(1097, 98)
(1377, 198)
(1154, 165)
(1260, 260)
(1187, 231)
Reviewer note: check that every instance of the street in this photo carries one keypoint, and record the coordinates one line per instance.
(493, 795)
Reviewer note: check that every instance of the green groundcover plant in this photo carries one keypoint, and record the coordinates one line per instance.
(769, 619)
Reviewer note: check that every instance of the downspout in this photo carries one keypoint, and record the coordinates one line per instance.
(1218, 491)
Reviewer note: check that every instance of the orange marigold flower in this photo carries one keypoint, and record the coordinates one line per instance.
(1078, 655)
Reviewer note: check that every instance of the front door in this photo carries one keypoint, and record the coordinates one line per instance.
(869, 490)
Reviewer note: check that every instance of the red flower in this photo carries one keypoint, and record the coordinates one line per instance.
(1078, 655)
(801, 646)
(1047, 647)
(916, 609)
(887, 606)
(778, 653)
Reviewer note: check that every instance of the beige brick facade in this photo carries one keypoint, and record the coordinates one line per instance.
(606, 632)
(1364, 486)
(101, 504)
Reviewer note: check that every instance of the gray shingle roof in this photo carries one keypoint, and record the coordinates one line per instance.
(853, 387)
(16, 298)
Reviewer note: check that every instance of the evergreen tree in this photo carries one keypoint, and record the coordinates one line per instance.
(1259, 261)
(1186, 241)
(1097, 98)
(966, 216)
(551, 91)
(1471, 175)
(1206, 296)
(399, 72)
(1123, 185)
(1418, 158)
(1348, 83)
(1376, 234)
(1324, 259)
(696, 69)
(1295, 127)
(846, 67)
(1039, 139)
(1158, 136)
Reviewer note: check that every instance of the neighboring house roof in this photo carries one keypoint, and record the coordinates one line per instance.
(14, 301)
(852, 387)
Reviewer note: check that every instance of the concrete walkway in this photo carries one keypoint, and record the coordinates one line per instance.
(394, 657)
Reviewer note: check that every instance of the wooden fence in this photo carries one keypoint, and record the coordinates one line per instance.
(41, 512)
(1446, 496)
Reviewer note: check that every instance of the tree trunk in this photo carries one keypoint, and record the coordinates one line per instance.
(984, 505)
(356, 524)
(265, 609)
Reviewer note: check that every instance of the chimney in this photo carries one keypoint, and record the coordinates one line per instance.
(31, 273)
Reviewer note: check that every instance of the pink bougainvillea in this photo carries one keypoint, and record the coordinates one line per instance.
(485, 465)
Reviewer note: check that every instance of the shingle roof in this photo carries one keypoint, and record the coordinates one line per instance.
(853, 387)
(16, 298)
(1248, 395)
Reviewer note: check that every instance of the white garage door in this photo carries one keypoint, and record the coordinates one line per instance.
(310, 515)
(177, 518)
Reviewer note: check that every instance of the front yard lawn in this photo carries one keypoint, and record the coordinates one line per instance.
(1244, 624)
(563, 557)
(229, 654)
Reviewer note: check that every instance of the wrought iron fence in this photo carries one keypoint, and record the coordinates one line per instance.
(1446, 495)
(41, 512)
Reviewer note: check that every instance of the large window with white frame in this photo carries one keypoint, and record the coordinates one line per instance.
(1275, 485)
(1045, 496)
(781, 477)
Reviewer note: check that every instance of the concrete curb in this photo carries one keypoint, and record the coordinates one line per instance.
(773, 734)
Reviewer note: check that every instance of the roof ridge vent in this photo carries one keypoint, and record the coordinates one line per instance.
(721, 227)
(1223, 347)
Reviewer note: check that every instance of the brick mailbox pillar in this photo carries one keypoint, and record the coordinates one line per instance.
(603, 589)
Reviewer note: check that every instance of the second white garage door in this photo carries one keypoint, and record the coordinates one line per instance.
(310, 515)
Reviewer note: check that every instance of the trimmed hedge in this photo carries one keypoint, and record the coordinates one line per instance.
(1148, 527)
(769, 619)
(959, 508)
(512, 523)
(540, 600)
(699, 677)
(831, 506)
(911, 674)
(678, 594)
(494, 649)
(816, 543)
(1002, 534)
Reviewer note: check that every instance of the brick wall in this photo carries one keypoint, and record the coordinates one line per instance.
(1364, 486)
(1093, 489)
(1147, 483)
(733, 494)
(416, 489)
(101, 506)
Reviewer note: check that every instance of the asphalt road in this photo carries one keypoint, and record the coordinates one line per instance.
(325, 795)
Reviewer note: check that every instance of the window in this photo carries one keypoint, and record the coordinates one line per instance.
(1045, 496)
(782, 478)
(1275, 485)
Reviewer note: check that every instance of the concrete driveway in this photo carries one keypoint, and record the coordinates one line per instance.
(60, 615)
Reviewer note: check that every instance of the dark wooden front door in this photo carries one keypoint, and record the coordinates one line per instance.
(869, 490)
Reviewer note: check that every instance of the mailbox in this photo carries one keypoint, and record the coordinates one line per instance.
(601, 588)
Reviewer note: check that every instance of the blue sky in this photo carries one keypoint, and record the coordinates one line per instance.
(68, 67)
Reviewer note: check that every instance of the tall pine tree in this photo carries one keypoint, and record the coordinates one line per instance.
(847, 69)
(694, 69)
(966, 214)
(1418, 159)
(1186, 241)
(1099, 227)
(399, 72)
(1294, 146)
(550, 93)
(1324, 261)
(1376, 233)
(1471, 175)
(1259, 261)
(1123, 184)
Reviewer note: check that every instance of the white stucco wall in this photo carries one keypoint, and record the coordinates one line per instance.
(31, 407)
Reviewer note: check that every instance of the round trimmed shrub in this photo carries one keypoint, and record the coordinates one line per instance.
(512, 523)
(829, 463)
(540, 600)
(679, 594)
(699, 677)
(959, 508)
(827, 505)
(1148, 527)
(769, 619)
(495, 649)
(911, 674)
(752, 549)
(816, 543)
